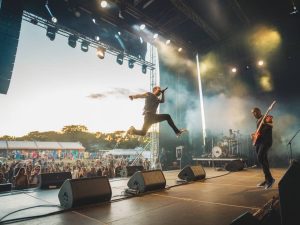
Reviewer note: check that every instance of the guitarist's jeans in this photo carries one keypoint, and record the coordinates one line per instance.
(262, 156)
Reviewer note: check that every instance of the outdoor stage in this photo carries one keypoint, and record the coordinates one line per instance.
(217, 200)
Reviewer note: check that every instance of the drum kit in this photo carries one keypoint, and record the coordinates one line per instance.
(227, 146)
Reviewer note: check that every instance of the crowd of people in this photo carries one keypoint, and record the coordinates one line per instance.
(25, 173)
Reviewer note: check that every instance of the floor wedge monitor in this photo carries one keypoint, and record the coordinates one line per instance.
(143, 181)
(78, 192)
(192, 173)
(53, 180)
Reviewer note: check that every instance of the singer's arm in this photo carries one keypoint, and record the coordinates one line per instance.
(138, 96)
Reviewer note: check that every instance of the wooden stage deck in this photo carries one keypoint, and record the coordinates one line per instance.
(217, 200)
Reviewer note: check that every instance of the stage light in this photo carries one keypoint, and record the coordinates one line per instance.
(103, 4)
(34, 21)
(51, 31)
(101, 52)
(234, 70)
(144, 68)
(260, 63)
(179, 49)
(168, 42)
(97, 38)
(72, 41)
(54, 19)
(120, 58)
(131, 63)
(119, 33)
(94, 20)
(142, 26)
(155, 36)
(85, 46)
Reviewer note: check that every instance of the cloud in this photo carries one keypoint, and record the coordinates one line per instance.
(96, 96)
(115, 92)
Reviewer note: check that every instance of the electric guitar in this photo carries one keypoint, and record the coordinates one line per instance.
(257, 134)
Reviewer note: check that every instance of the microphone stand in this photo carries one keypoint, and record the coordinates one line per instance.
(290, 144)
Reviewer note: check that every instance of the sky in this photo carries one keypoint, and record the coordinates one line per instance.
(54, 85)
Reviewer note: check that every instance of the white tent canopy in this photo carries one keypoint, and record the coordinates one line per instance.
(40, 145)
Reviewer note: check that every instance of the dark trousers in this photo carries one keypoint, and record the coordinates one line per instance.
(262, 156)
(151, 118)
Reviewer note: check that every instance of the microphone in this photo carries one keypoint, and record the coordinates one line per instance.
(163, 90)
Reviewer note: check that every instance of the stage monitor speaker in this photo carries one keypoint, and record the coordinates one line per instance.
(132, 169)
(192, 173)
(144, 181)
(289, 195)
(84, 191)
(5, 187)
(245, 219)
(235, 165)
(53, 180)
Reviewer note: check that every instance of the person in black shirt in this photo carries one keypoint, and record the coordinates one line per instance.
(262, 146)
(150, 116)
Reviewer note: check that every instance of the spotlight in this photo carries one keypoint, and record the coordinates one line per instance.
(72, 40)
(97, 38)
(142, 26)
(51, 31)
(131, 63)
(54, 19)
(179, 49)
(155, 36)
(120, 59)
(34, 21)
(234, 70)
(103, 4)
(260, 63)
(101, 52)
(85, 46)
(168, 42)
(144, 69)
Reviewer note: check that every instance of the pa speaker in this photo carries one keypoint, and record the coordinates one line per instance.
(11, 12)
(190, 173)
(235, 165)
(144, 181)
(132, 169)
(245, 219)
(53, 180)
(5, 187)
(84, 191)
(289, 195)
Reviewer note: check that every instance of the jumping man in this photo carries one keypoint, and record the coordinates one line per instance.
(150, 116)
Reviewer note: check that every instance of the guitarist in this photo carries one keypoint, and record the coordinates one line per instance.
(262, 145)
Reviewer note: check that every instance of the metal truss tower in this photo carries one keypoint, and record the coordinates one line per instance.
(154, 81)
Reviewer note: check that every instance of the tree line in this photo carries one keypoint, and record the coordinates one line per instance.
(91, 141)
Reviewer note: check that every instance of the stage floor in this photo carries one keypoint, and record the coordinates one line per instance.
(217, 200)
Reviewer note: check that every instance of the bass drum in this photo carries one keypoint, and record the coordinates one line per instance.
(216, 152)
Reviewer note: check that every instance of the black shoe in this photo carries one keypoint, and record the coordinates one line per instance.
(261, 184)
(180, 132)
(269, 184)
